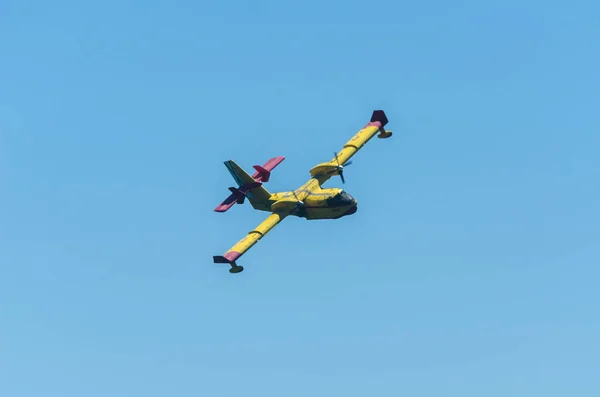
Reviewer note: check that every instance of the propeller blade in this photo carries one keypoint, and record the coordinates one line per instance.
(342, 176)
(348, 163)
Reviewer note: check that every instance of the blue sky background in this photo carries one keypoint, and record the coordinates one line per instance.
(470, 269)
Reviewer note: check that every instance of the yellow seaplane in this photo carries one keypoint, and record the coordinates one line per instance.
(309, 201)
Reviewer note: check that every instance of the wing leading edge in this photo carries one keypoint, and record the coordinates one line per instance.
(242, 246)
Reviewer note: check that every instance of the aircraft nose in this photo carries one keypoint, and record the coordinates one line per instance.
(352, 209)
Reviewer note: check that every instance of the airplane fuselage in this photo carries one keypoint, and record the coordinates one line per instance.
(318, 203)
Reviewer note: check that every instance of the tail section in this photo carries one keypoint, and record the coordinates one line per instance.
(244, 180)
(249, 186)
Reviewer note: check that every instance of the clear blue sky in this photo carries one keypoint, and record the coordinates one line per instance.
(471, 268)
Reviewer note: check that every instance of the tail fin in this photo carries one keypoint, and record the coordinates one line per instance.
(255, 195)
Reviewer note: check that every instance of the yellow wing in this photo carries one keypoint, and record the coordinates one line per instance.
(249, 240)
(324, 171)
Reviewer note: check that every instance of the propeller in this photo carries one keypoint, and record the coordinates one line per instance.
(340, 168)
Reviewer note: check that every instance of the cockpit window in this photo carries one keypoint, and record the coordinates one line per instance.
(335, 200)
(346, 197)
(341, 198)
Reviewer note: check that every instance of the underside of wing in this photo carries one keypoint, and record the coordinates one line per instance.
(324, 171)
(241, 247)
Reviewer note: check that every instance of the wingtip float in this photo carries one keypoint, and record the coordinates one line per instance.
(309, 201)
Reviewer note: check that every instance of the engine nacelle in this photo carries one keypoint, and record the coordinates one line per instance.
(328, 168)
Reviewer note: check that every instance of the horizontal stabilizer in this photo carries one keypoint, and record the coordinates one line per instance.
(238, 195)
(263, 173)
(227, 203)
